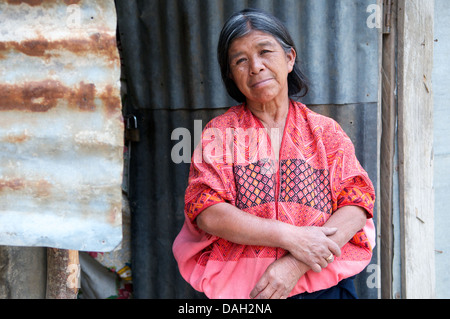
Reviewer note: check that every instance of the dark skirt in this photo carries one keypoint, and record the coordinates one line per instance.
(345, 289)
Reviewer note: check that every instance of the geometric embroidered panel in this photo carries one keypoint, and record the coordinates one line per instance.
(254, 184)
(301, 183)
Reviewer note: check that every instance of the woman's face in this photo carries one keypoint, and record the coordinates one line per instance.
(260, 67)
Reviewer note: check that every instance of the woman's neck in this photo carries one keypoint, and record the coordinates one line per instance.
(272, 115)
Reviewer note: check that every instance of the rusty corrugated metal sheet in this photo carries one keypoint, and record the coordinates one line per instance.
(61, 128)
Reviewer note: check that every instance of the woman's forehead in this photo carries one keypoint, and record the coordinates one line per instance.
(254, 38)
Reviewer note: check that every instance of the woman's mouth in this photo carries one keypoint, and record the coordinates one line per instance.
(260, 83)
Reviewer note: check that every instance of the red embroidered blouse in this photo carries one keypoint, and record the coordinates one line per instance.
(317, 172)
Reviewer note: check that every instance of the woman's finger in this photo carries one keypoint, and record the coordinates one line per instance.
(259, 287)
(334, 249)
(328, 231)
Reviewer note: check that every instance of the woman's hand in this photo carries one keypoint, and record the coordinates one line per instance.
(279, 279)
(283, 274)
(312, 246)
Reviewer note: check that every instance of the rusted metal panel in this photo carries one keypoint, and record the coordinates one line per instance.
(61, 126)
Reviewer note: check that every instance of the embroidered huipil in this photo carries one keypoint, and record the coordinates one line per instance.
(316, 173)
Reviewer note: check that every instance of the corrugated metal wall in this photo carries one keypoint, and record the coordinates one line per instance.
(61, 128)
(173, 79)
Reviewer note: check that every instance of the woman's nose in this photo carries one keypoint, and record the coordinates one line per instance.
(256, 65)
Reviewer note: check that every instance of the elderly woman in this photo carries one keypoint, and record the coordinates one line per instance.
(277, 204)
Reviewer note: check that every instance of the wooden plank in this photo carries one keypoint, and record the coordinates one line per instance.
(63, 270)
(415, 140)
(387, 151)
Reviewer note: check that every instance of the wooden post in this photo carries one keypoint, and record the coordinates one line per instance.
(415, 141)
(387, 149)
(63, 271)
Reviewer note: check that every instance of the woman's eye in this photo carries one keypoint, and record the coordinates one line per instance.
(239, 61)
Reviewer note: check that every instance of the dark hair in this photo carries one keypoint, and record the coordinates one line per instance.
(242, 23)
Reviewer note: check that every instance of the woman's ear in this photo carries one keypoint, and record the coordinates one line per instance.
(291, 57)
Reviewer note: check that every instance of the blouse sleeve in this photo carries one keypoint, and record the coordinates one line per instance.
(211, 179)
(350, 183)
